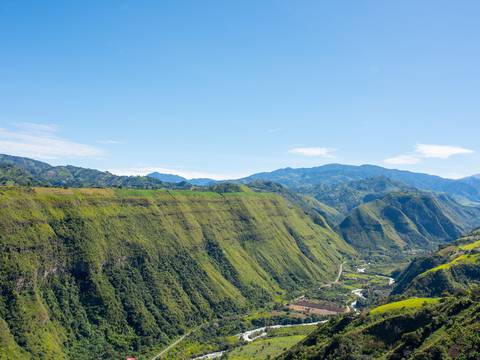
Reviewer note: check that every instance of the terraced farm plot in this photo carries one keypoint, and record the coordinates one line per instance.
(316, 307)
(471, 246)
(412, 303)
(462, 259)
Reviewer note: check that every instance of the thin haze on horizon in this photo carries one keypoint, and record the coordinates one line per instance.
(226, 89)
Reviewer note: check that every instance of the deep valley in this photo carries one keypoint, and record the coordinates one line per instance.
(233, 270)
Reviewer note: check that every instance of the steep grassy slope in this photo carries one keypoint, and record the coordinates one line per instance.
(448, 329)
(453, 268)
(104, 273)
(407, 221)
(309, 204)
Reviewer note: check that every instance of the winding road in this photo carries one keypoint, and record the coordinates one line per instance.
(337, 279)
(340, 271)
(173, 344)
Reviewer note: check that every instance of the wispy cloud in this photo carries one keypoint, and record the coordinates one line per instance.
(36, 128)
(41, 141)
(274, 130)
(428, 151)
(440, 151)
(108, 142)
(403, 160)
(312, 151)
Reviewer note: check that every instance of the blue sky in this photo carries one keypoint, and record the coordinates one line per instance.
(228, 88)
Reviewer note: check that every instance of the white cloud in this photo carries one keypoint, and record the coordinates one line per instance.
(403, 160)
(312, 151)
(440, 151)
(188, 174)
(40, 141)
(428, 151)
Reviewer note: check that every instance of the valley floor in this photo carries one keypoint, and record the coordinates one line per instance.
(284, 325)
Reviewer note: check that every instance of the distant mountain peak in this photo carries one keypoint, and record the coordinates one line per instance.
(171, 178)
(175, 179)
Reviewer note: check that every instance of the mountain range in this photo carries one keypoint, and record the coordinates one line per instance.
(376, 210)
(171, 178)
(306, 179)
(95, 264)
(313, 181)
(24, 171)
(320, 181)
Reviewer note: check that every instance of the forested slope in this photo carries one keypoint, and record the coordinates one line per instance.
(400, 222)
(16, 170)
(453, 268)
(433, 313)
(445, 329)
(103, 272)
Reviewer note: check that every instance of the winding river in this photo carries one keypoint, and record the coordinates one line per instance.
(359, 292)
(252, 335)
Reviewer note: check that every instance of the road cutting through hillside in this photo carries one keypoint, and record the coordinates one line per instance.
(340, 270)
(339, 275)
(173, 344)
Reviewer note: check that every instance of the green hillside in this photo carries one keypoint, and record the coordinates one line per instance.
(344, 196)
(108, 272)
(413, 329)
(11, 174)
(433, 313)
(407, 222)
(310, 205)
(15, 170)
(453, 268)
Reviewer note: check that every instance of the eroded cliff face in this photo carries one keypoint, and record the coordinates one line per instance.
(104, 272)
